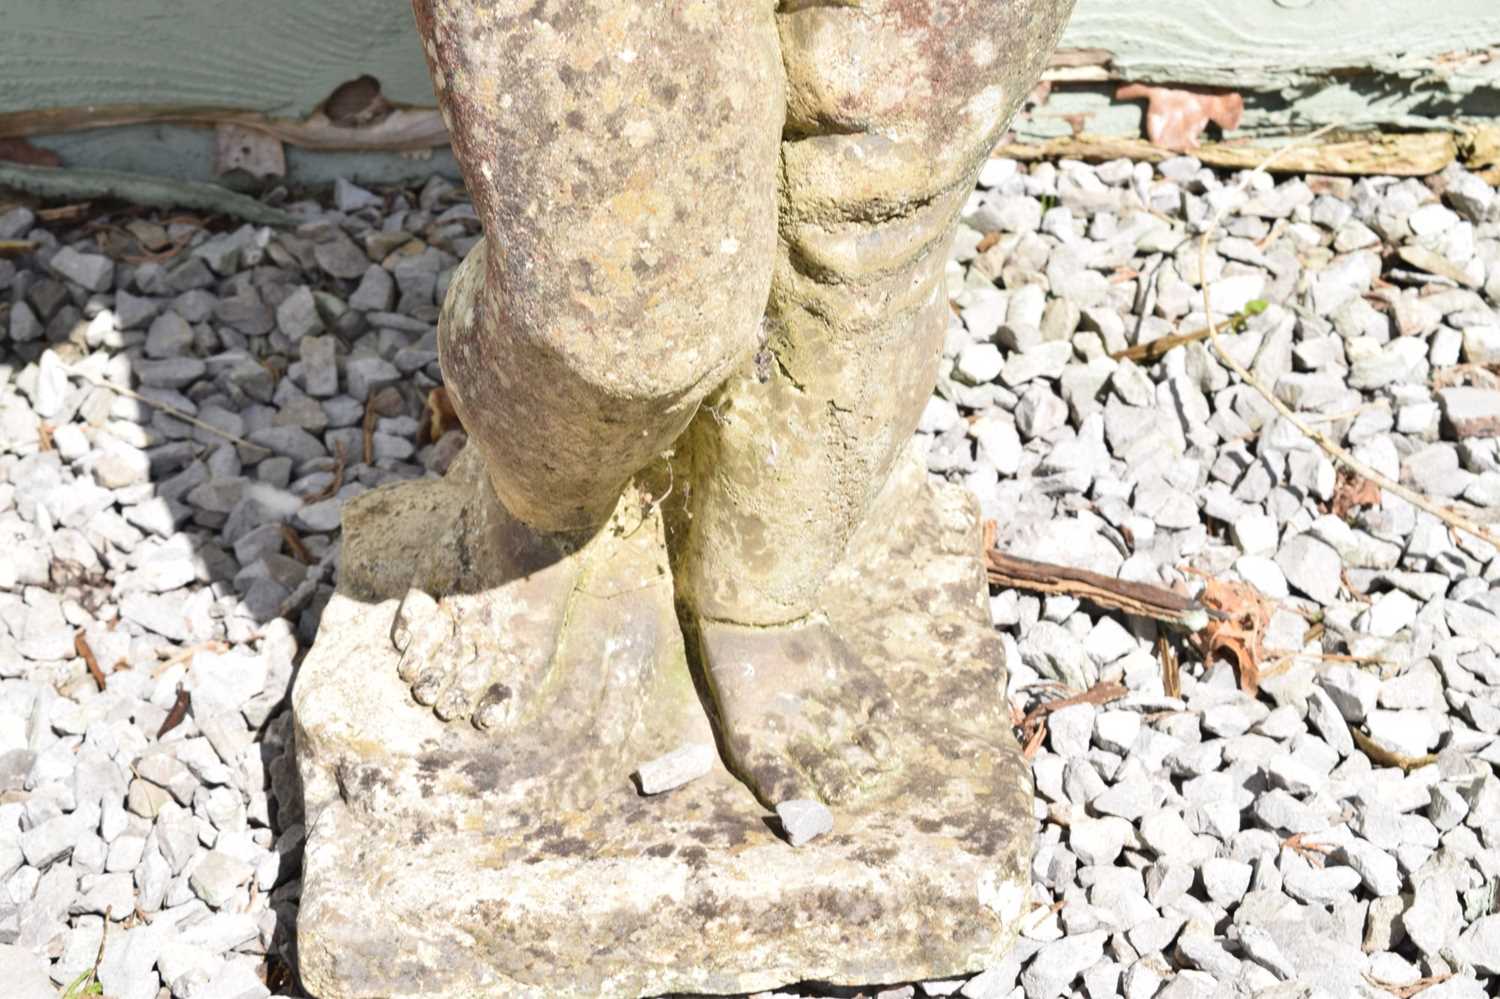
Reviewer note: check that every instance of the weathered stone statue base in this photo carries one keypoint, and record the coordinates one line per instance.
(443, 861)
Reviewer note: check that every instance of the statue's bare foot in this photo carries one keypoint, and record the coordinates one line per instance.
(799, 715)
(479, 629)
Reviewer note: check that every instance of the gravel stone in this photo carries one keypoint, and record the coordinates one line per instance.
(297, 315)
(376, 291)
(93, 272)
(340, 258)
(218, 876)
(1058, 963)
(803, 820)
(1352, 690)
(1471, 412)
(979, 363)
(169, 336)
(1311, 566)
(1057, 654)
(1434, 918)
(1099, 841)
(1409, 733)
(1225, 880)
(1045, 360)
(26, 974)
(363, 375)
(349, 197)
(676, 768)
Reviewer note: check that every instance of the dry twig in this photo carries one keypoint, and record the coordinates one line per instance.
(385, 402)
(1407, 991)
(213, 645)
(1171, 670)
(1329, 447)
(1385, 757)
(1034, 725)
(299, 550)
(64, 213)
(1154, 350)
(178, 712)
(340, 461)
(1140, 599)
(1315, 852)
(81, 646)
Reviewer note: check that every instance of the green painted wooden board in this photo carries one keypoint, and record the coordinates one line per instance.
(284, 56)
(280, 56)
(1299, 62)
(1273, 43)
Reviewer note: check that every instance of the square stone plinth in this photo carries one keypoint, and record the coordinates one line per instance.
(435, 868)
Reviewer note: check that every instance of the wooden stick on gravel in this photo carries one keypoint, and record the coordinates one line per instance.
(1140, 599)
(1154, 350)
(1333, 450)
(81, 645)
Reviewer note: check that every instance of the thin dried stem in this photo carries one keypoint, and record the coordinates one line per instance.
(165, 408)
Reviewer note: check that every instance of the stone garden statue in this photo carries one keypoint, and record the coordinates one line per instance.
(687, 535)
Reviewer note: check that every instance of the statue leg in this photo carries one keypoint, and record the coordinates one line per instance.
(621, 159)
(892, 106)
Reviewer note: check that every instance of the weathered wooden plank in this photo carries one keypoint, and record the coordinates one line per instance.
(1407, 154)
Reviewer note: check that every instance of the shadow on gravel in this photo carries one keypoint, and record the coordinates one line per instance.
(185, 405)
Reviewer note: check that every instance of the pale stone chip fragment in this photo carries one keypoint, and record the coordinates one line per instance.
(680, 766)
(803, 820)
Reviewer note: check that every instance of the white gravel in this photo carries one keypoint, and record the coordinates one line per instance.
(1215, 844)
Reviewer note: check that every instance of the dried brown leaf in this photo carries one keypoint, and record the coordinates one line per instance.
(1239, 630)
(1352, 491)
(439, 416)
